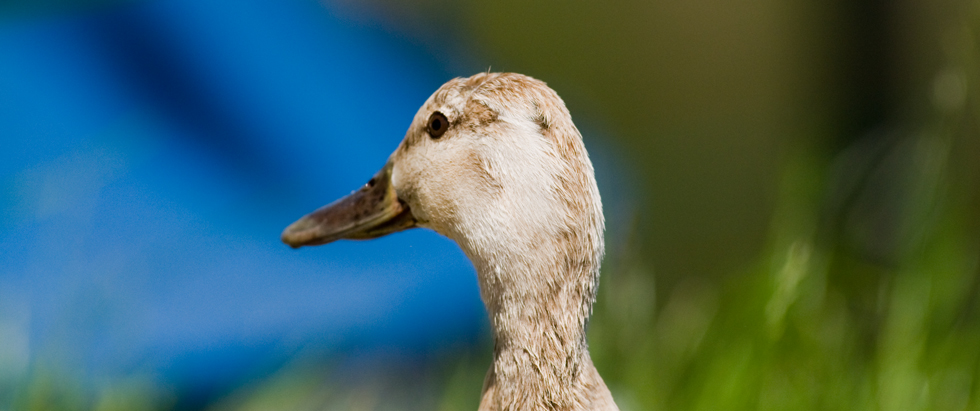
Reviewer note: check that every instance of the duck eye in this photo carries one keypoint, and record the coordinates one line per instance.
(438, 124)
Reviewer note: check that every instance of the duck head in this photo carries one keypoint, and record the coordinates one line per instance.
(492, 161)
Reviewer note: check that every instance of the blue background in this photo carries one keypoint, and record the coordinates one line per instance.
(150, 155)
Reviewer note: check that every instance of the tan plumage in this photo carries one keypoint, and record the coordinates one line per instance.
(511, 182)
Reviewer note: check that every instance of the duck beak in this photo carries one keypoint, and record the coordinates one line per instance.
(370, 212)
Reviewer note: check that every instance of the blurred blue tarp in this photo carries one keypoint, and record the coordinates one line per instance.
(150, 155)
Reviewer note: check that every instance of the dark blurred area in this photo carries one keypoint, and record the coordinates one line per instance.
(791, 189)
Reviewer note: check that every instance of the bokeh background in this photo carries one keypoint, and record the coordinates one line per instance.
(791, 188)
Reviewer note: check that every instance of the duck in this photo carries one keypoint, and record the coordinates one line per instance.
(495, 163)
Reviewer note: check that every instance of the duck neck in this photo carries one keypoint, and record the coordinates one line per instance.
(539, 300)
(538, 330)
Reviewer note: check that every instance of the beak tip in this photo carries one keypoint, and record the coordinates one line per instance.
(289, 237)
(303, 233)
